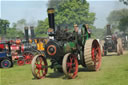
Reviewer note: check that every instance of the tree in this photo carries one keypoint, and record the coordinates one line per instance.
(6, 31)
(4, 25)
(124, 1)
(20, 24)
(115, 16)
(69, 12)
(13, 33)
(123, 24)
(41, 29)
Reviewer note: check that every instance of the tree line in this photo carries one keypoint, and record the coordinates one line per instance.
(67, 13)
(118, 19)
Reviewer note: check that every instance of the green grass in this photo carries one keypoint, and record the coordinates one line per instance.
(114, 71)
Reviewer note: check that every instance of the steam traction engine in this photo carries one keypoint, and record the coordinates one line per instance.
(66, 51)
(112, 43)
(22, 51)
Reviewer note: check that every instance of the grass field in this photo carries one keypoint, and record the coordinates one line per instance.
(114, 71)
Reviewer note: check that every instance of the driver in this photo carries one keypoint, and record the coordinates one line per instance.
(76, 28)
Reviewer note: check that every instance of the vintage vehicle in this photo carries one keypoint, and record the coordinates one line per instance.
(112, 43)
(66, 51)
(25, 51)
(5, 55)
(22, 51)
(30, 47)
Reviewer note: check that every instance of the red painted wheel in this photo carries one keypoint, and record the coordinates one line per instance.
(39, 67)
(28, 56)
(96, 55)
(20, 62)
(70, 65)
(92, 55)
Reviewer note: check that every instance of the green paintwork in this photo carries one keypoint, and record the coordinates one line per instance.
(84, 36)
(71, 46)
(68, 47)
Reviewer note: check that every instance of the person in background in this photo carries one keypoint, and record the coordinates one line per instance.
(75, 33)
(18, 40)
(88, 30)
(66, 28)
(114, 38)
(76, 28)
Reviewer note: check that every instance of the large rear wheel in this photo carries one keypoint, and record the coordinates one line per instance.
(39, 66)
(92, 55)
(118, 46)
(121, 46)
(70, 65)
(121, 50)
(118, 49)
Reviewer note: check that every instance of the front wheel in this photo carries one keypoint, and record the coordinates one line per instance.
(20, 62)
(6, 63)
(70, 65)
(39, 66)
(28, 56)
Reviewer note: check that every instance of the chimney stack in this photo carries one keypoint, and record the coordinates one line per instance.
(26, 34)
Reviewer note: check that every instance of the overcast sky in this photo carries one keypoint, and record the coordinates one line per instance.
(33, 10)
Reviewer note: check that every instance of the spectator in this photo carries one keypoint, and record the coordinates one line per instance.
(76, 28)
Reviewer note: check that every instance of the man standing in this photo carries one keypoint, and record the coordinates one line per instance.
(76, 28)
(88, 30)
(75, 34)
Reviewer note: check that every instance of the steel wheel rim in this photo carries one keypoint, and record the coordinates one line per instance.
(38, 70)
